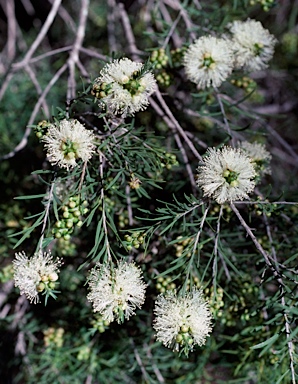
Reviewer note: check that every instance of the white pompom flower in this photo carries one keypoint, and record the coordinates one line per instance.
(253, 45)
(124, 86)
(67, 142)
(226, 174)
(182, 321)
(116, 292)
(260, 157)
(209, 61)
(36, 274)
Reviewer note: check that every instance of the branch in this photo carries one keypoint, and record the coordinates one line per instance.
(46, 26)
(74, 55)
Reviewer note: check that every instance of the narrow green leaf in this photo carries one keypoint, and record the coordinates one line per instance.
(266, 343)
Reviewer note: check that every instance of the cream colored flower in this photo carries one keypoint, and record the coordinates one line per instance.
(182, 321)
(253, 45)
(259, 155)
(67, 142)
(226, 174)
(124, 87)
(116, 292)
(36, 274)
(209, 61)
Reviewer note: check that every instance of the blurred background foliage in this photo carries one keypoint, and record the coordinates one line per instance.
(65, 342)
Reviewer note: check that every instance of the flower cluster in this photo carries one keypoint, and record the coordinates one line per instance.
(253, 45)
(123, 87)
(226, 174)
(68, 141)
(182, 321)
(259, 155)
(209, 61)
(36, 274)
(116, 292)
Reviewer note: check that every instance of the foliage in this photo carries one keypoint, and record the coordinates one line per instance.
(138, 197)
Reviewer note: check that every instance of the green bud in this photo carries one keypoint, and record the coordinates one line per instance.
(52, 285)
(77, 213)
(179, 338)
(72, 204)
(40, 287)
(184, 329)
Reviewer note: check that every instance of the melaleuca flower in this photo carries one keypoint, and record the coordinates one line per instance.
(182, 321)
(36, 274)
(123, 87)
(209, 61)
(68, 141)
(116, 292)
(226, 174)
(259, 155)
(253, 45)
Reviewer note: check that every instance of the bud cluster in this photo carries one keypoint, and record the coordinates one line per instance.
(72, 214)
(215, 299)
(159, 58)
(163, 78)
(53, 337)
(165, 284)
(240, 307)
(101, 90)
(177, 56)
(99, 324)
(246, 83)
(266, 4)
(184, 339)
(84, 353)
(6, 273)
(109, 204)
(227, 211)
(134, 240)
(195, 283)
(169, 160)
(40, 128)
(181, 244)
(66, 247)
(123, 219)
(267, 209)
(47, 282)
(290, 43)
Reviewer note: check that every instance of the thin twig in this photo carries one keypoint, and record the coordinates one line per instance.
(225, 119)
(9, 7)
(257, 245)
(111, 25)
(155, 368)
(82, 176)
(128, 204)
(177, 125)
(172, 33)
(198, 235)
(22, 144)
(132, 47)
(38, 88)
(171, 125)
(74, 55)
(46, 26)
(104, 218)
(291, 347)
(216, 251)
(46, 216)
(140, 362)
